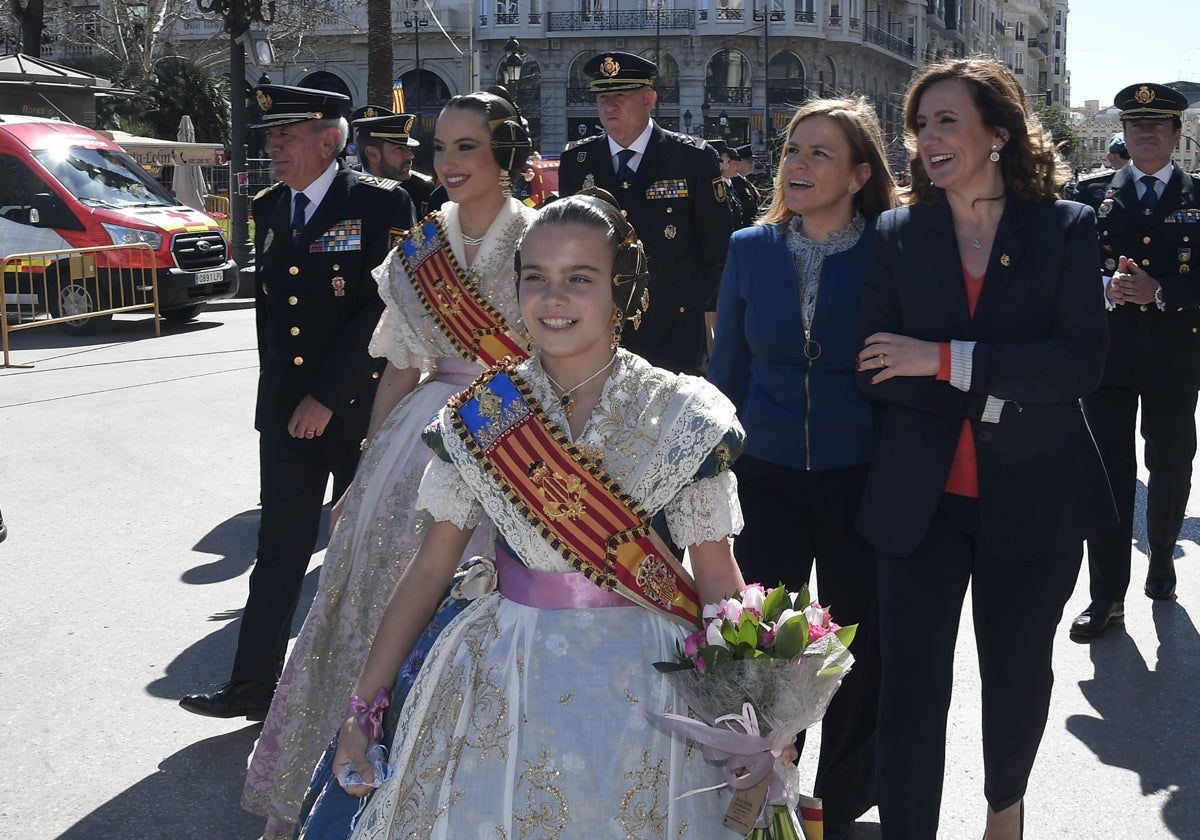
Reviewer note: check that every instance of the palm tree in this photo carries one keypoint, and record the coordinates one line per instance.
(379, 52)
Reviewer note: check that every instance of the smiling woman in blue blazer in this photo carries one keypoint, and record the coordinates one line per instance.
(784, 355)
(982, 328)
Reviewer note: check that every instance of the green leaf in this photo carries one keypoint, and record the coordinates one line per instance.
(792, 638)
(846, 634)
(775, 603)
(804, 598)
(747, 633)
(671, 667)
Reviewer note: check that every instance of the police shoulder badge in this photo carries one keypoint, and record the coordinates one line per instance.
(719, 190)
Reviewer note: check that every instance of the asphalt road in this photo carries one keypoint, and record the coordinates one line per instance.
(129, 485)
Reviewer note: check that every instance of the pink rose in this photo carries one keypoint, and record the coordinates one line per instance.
(753, 597)
(693, 643)
(732, 608)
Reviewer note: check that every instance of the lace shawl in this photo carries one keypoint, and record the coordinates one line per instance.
(406, 333)
(653, 430)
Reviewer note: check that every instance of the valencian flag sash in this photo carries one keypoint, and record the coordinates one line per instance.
(588, 519)
(476, 329)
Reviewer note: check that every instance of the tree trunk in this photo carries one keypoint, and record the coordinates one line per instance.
(379, 53)
(32, 17)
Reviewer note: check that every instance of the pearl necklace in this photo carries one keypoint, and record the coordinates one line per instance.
(567, 400)
(473, 241)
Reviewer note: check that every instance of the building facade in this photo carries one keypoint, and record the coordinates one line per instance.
(734, 69)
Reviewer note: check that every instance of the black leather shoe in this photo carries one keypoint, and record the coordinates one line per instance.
(1092, 623)
(234, 699)
(1160, 579)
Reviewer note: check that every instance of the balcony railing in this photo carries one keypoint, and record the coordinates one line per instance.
(787, 94)
(880, 38)
(1040, 46)
(508, 18)
(729, 95)
(724, 13)
(805, 17)
(640, 19)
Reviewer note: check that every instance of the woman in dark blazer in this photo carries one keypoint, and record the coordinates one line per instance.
(784, 355)
(982, 328)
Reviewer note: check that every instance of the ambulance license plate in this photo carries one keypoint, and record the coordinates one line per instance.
(205, 277)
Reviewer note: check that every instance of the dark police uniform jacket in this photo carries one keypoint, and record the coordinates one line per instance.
(316, 302)
(1151, 351)
(419, 187)
(678, 205)
(748, 198)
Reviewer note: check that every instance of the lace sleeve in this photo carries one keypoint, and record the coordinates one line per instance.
(704, 510)
(446, 496)
(394, 338)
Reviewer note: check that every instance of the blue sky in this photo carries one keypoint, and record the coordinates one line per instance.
(1114, 43)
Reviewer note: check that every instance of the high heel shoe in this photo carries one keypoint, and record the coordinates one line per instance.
(1020, 816)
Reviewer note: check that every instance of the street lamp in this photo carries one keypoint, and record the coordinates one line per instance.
(414, 21)
(510, 68)
(687, 121)
(238, 15)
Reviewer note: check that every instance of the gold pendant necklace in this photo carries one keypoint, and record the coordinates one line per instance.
(567, 398)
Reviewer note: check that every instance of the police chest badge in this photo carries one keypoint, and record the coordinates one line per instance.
(589, 181)
(669, 231)
(339, 286)
(1105, 208)
(719, 190)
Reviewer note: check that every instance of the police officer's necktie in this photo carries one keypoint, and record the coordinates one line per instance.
(1150, 196)
(624, 173)
(298, 217)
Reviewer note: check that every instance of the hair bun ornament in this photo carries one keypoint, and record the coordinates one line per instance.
(503, 93)
(511, 144)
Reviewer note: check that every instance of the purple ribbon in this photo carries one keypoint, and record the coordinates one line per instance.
(369, 718)
(551, 590)
(749, 757)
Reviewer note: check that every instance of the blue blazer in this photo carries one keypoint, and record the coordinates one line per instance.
(808, 415)
(1041, 341)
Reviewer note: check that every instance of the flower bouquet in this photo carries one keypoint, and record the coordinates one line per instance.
(762, 668)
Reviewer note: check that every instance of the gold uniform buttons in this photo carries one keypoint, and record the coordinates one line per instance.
(294, 270)
(351, 402)
(293, 300)
(683, 309)
(670, 209)
(294, 331)
(1145, 263)
(1145, 308)
(1145, 240)
(337, 267)
(375, 375)
(1194, 329)
(299, 360)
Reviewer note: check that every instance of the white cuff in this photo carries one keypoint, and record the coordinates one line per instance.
(961, 354)
(1108, 304)
(992, 409)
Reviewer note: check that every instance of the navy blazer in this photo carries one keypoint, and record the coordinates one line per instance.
(1041, 341)
(317, 302)
(801, 413)
(676, 201)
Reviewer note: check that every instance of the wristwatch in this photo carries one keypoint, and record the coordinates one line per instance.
(1158, 298)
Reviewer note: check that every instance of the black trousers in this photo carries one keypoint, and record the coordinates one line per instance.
(1017, 604)
(1169, 430)
(294, 473)
(793, 519)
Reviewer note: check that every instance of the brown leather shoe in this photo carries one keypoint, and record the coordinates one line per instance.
(1093, 621)
(234, 699)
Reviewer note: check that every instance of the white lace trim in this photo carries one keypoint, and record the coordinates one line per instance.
(406, 334)
(447, 498)
(653, 430)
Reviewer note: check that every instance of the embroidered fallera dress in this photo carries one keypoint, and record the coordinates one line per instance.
(381, 528)
(533, 723)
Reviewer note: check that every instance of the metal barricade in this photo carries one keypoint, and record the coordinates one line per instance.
(74, 285)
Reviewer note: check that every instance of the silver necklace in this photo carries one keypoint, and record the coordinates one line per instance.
(474, 241)
(567, 400)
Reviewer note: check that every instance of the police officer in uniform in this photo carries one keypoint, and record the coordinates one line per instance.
(320, 231)
(385, 148)
(727, 161)
(1149, 225)
(671, 189)
(1117, 155)
(748, 195)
